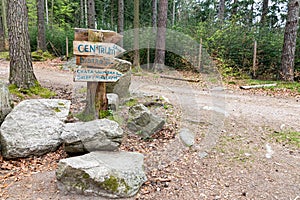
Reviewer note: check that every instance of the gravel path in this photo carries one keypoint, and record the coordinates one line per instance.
(235, 156)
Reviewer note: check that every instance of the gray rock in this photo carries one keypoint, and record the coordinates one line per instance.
(107, 174)
(121, 87)
(113, 101)
(97, 135)
(187, 137)
(33, 127)
(142, 121)
(5, 101)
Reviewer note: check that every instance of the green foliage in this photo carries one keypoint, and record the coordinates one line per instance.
(4, 55)
(106, 114)
(232, 45)
(35, 90)
(55, 40)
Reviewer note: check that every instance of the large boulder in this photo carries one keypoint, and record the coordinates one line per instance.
(33, 127)
(97, 135)
(5, 101)
(142, 121)
(107, 174)
(121, 87)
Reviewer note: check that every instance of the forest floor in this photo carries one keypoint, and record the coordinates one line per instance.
(247, 143)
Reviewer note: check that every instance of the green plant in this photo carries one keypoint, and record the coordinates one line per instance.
(131, 102)
(288, 137)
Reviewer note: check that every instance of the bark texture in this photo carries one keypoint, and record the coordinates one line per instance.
(264, 11)
(154, 15)
(121, 19)
(221, 10)
(289, 46)
(21, 70)
(2, 36)
(136, 58)
(161, 35)
(41, 42)
(91, 13)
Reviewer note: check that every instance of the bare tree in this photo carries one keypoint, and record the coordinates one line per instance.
(221, 10)
(91, 13)
(136, 59)
(154, 15)
(161, 35)
(41, 40)
(264, 11)
(2, 36)
(121, 19)
(290, 37)
(21, 70)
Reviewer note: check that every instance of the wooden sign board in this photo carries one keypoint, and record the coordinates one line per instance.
(96, 61)
(93, 35)
(97, 75)
(96, 49)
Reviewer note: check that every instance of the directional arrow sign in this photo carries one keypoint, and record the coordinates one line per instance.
(93, 35)
(96, 49)
(103, 63)
(97, 75)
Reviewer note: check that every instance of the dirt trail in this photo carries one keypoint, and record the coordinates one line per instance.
(235, 129)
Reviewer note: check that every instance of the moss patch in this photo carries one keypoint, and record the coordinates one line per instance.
(41, 56)
(35, 90)
(84, 117)
(113, 184)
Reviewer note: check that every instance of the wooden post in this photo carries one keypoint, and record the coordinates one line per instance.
(200, 55)
(95, 51)
(254, 68)
(148, 57)
(67, 48)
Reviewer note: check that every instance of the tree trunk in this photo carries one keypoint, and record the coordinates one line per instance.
(221, 10)
(41, 42)
(21, 70)
(2, 35)
(161, 35)
(112, 14)
(91, 13)
(154, 15)
(82, 24)
(136, 59)
(4, 21)
(52, 14)
(86, 13)
(47, 13)
(121, 19)
(264, 11)
(289, 46)
(173, 13)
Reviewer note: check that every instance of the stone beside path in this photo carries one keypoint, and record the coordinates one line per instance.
(143, 122)
(33, 127)
(108, 174)
(96, 135)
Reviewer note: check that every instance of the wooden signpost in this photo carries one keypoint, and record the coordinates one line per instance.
(95, 51)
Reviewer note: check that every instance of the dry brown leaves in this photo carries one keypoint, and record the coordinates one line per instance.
(12, 171)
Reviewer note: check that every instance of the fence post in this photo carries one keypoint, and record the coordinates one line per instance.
(254, 68)
(200, 55)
